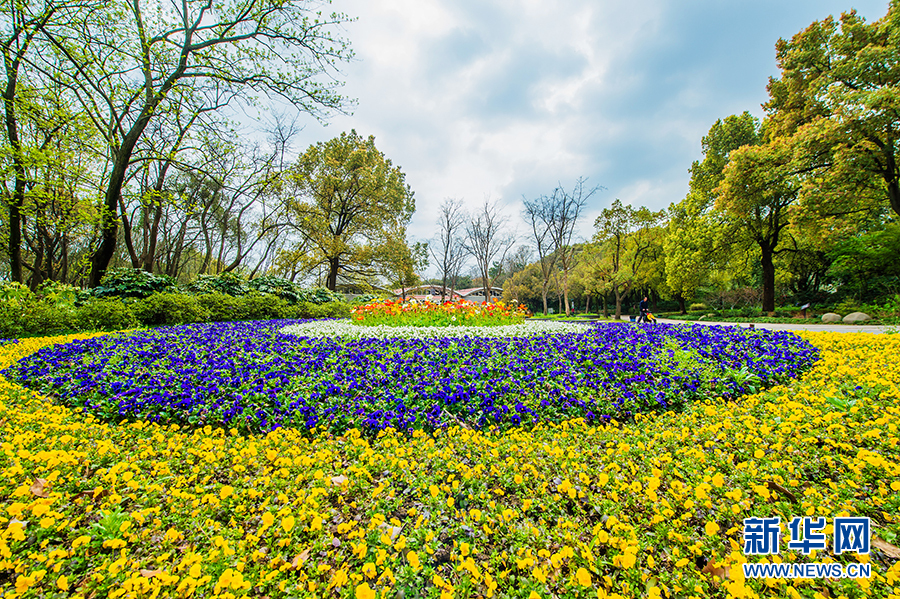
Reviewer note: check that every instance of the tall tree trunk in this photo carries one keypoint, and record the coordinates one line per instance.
(126, 232)
(605, 305)
(64, 259)
(768, 275)
(152, 238)
(18, 197)
(37, 273)
(894, 189)
(682, 304)
(333, 267)
(109, 224)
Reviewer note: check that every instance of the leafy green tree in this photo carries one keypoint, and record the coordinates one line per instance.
(127, 66)
(627, 236)
(401, 262)
(759, 187)
(839, 98)
(347, 201)
(526, 286)
(697, 239)
(866, 265)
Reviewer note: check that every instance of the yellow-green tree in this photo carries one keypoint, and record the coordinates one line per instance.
(628, 238)
(839, 98)
(346, 201)
(698, 239)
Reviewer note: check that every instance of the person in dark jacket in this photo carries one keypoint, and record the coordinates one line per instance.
(644, 308)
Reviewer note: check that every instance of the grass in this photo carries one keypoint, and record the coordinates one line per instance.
(651, 508)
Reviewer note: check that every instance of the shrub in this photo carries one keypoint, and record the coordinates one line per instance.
(276, 286)
(310, 310)
(220, 307)
(15, 300)
(365, 298)
(105, 315)
(132, 282)
(697, 308)
(228, 283)
(259, 306)
(170, 309)
(320, 295)
(59, 294)
(44, 319)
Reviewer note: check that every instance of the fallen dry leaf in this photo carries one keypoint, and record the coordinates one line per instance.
(39, 488)
(339, 480)
(773, 486)
(150, 573)
(300, 559)
(886, 548)
(721, 573)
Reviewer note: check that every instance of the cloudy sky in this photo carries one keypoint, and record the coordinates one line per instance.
(502, 99)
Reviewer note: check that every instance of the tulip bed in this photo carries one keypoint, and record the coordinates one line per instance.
(647, 508)
(396, 313)
(256, 376)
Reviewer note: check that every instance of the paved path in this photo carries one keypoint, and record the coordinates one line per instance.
(834, 328)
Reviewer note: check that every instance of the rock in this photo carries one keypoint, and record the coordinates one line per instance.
(831, 317)
(856, 317)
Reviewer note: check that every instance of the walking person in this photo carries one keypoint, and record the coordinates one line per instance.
(644, 309)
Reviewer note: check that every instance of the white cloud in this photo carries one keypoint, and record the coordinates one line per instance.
(500, 98)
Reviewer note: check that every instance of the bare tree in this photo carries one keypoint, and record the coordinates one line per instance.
(565, 208)
(448, 250)
(538, 213)
(487, 241)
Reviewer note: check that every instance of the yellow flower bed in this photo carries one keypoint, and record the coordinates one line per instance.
(649, 509)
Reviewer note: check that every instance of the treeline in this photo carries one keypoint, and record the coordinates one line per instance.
(799, 207)
(118, 151)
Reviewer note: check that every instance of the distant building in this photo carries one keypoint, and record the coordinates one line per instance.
(475, 295)
(432, 293)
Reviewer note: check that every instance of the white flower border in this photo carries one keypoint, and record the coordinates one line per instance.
(346, 330)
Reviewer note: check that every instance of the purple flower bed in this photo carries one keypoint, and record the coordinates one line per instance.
(250, 376)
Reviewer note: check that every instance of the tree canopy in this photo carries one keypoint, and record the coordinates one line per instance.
(348, 202)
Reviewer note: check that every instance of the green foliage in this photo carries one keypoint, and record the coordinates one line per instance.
(631, 241)
(365, 298)
(867, 265)
(320, 295)
(105, 315)
(310, 310)
(15, 294)
(697, 307)
(44, 319)
(258, 306)
(110, 524)
(276, 286)
(132, 282)
(228, 283)
(170, 309)
(59, 294)
(348, 201)
(220, 307)
(837, 98)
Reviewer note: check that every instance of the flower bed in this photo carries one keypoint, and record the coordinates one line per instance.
(250, 376)
(429, 314)
(651, 508)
